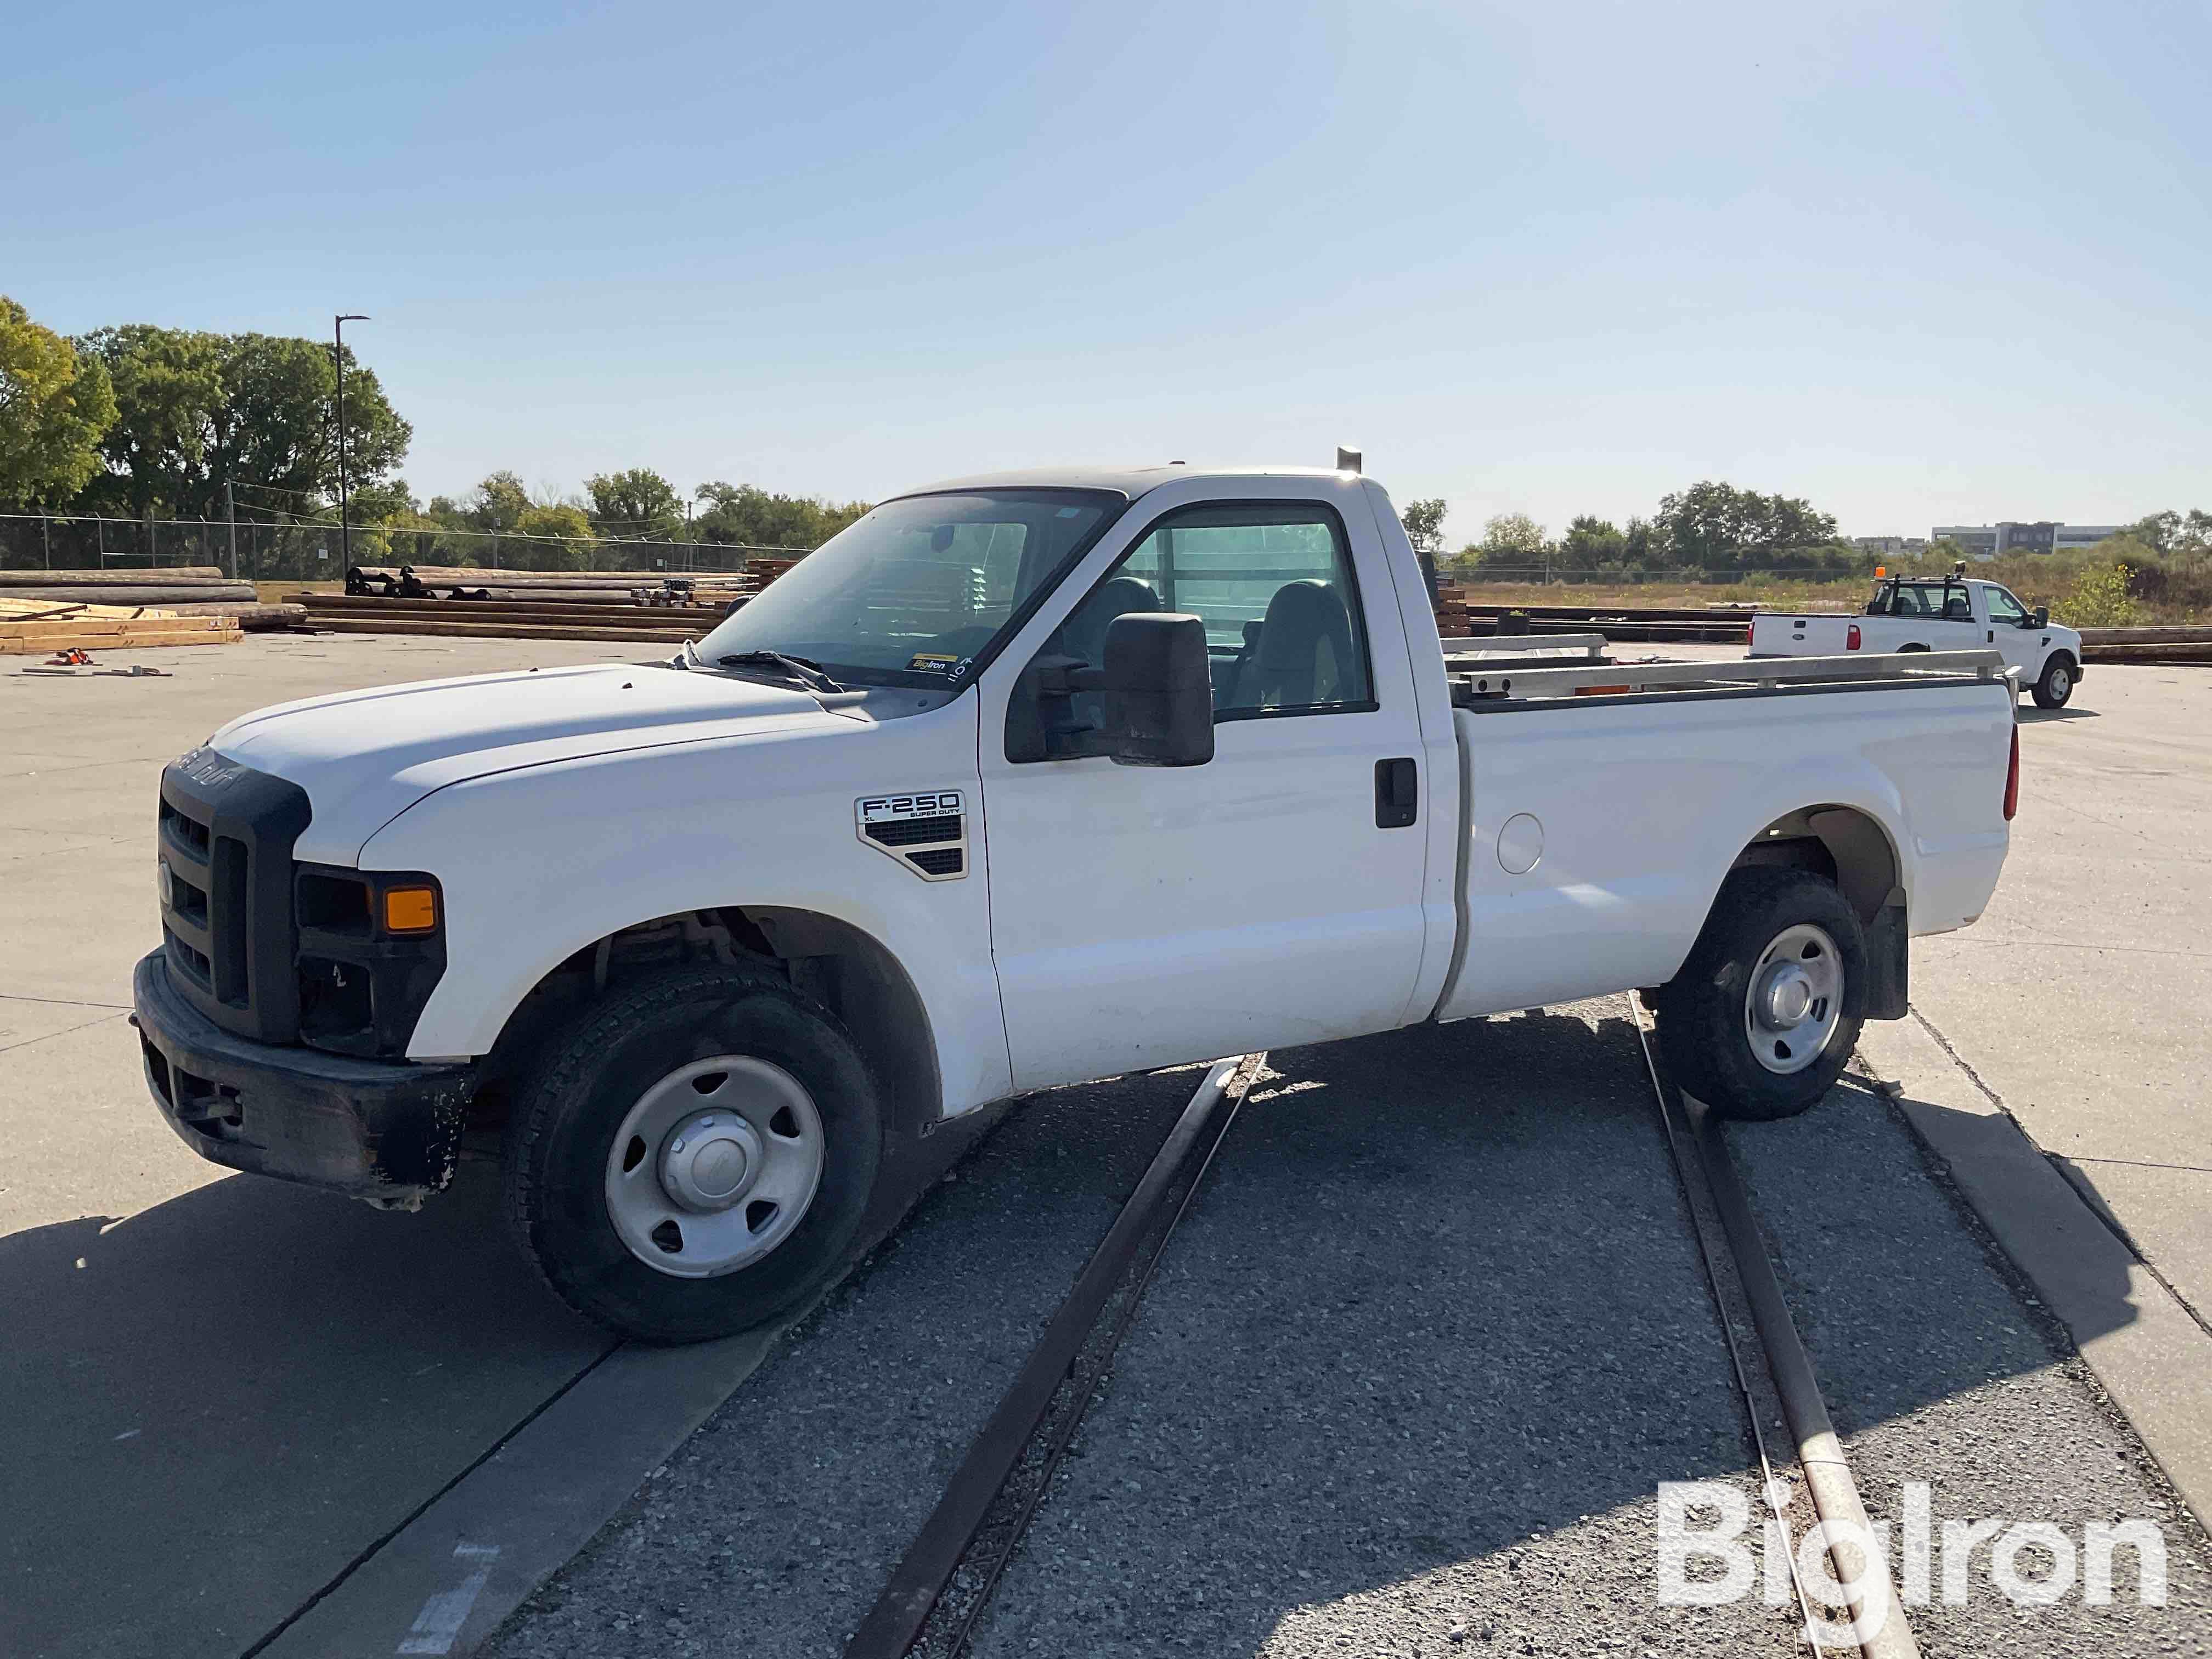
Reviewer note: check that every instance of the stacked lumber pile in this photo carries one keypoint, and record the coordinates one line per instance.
(45, 626)
(1452, 617)
(2172, 644)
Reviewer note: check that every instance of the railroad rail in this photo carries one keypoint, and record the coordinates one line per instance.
(941, 1588)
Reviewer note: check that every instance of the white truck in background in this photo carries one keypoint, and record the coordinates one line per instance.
(1020, 781)
(1936, 613)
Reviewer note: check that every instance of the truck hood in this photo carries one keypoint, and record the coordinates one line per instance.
(365, 757)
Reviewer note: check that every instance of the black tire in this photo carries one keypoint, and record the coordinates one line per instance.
(1701, 1013)
(2057, 686)
(563, 1130)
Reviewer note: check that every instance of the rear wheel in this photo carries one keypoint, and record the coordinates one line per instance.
(696, 1157)
(2056, 685)
(1765, 1013)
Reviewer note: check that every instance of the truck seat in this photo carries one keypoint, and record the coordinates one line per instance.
(1305, 651)
(1084, 634)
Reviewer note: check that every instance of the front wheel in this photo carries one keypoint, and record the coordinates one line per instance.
(696, 1157)
(1765, 1013)
(2056, 685)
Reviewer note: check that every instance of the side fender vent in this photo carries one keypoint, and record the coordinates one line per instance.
(925, 829)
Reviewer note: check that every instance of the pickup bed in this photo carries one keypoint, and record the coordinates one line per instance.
(1021, 780)
(1936, 613)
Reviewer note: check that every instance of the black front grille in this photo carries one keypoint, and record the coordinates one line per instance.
(225, 835)
(195, 964)
(909, 832)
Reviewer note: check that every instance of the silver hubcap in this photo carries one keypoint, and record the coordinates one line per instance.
(714, 1166)
(1793, 999)
(2059, 681)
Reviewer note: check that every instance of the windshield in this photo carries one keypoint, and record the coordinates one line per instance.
(916, 592)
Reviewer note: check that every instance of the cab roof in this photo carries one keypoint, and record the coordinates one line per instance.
(1128, 481)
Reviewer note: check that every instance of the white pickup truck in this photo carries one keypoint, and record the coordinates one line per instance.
(1019, 782)
(1936, 613)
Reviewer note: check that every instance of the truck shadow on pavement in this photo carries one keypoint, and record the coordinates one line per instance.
(231, 1393)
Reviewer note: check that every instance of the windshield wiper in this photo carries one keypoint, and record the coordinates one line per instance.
(806, 672)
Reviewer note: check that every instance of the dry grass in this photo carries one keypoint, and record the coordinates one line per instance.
(2161, 594)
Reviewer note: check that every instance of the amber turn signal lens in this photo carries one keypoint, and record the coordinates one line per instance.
(409, 909)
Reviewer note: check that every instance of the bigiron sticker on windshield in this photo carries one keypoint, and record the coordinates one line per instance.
(932, 662)
(925, 829)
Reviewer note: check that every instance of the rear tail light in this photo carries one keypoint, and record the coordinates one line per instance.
(1748, 629)
(1851, 637)
(2012, 777)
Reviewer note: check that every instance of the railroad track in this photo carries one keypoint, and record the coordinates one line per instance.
(940, 1589)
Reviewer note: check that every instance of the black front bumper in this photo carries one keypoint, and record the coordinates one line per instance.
(385, 1131)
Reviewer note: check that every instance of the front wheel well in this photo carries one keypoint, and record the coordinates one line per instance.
(842, 967)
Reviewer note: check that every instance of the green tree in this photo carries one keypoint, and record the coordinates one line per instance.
(745, 515)
(1512, 541)
(1717, 526)
(498, 503)
(567, 545)
(1424, 524)
(56, 405)
(2100, 599)
(275, 432)
(195, 410)
(638, 505)
(168, 387)
(1591, 542)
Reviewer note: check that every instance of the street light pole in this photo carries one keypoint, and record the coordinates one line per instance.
(338, 362)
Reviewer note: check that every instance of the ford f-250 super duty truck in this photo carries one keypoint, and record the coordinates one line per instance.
(1936, 613)
(1019, 782)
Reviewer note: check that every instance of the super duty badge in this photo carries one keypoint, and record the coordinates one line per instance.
(925, 829)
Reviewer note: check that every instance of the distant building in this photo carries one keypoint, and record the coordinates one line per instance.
(1986, 541)
(1889, 547)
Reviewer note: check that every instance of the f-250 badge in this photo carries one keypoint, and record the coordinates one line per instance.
(925, 829)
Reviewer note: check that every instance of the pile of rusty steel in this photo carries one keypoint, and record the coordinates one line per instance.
(1459, 618)
(174, 591)
(2174, 643)
(464, 602)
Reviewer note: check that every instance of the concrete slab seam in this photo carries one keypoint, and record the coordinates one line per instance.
(2100, 1210)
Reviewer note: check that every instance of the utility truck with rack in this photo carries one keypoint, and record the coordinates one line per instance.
(1020, 781)
(1936, 613)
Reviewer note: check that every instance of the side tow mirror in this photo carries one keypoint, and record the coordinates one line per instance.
(1159, 690)
(2040, 617)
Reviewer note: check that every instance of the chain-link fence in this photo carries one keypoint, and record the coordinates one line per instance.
(310, 551)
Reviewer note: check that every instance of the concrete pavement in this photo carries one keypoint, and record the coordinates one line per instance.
(219, 1391)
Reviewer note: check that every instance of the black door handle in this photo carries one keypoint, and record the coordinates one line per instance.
(1397, 793)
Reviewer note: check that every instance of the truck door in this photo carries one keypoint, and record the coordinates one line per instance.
(1144, 916)
(2022, 647)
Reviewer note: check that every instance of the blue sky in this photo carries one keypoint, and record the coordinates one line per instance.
(1918, 262)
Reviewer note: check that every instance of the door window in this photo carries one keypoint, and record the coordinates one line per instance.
(1272, 582)
(2005, 612)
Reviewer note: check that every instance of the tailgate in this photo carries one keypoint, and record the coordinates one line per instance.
(1781, 634)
